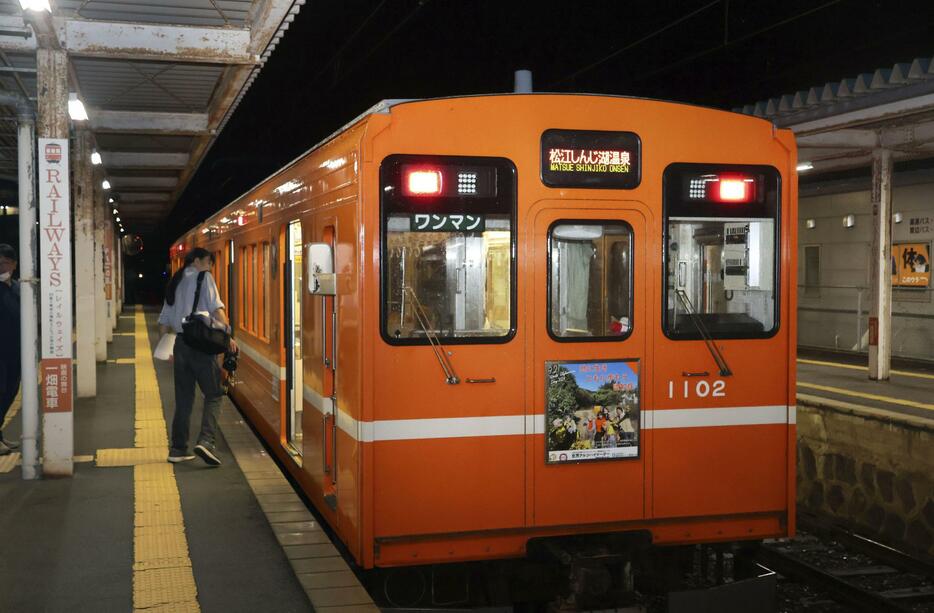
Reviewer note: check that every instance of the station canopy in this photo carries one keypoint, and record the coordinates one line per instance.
(839, 124)
(159, 80)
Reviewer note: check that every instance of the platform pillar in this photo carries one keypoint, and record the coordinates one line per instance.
(880, 258)
(101, 218)
(85, 307)
(55, 244)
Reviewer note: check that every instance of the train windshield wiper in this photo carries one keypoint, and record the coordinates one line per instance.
(705, 334)
(450, 377)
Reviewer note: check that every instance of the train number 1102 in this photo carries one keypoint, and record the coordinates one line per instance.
(700, 389)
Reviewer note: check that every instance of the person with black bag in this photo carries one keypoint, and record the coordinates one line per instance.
(194, 311)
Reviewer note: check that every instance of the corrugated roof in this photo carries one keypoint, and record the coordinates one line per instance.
(801, 105)
(159, 79)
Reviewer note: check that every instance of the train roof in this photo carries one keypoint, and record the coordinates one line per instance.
(384, 107)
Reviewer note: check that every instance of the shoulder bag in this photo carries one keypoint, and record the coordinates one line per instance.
(202, 332)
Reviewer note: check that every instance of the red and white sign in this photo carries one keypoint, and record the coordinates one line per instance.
(55, 267)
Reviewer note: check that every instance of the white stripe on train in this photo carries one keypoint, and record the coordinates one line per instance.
(512, 425)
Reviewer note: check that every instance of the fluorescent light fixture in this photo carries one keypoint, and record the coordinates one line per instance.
(76, 108)
(96, 158)
(140, 275)
(110, 200)
(115, 211)
(804, 166)
(849, 221)
(811, 224)
(897, 217)
(35, 5)
(122, 231)
(118, 220)
(105, 184)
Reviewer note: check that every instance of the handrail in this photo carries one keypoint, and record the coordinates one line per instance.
(450, 377)
(705, 334)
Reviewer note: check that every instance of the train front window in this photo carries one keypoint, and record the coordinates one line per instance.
(590, 280)
(721, 245)
(447, 260)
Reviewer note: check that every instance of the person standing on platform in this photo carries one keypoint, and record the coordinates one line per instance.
(9, 340)
(190, 365)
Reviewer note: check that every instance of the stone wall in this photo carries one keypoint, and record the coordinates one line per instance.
(871, 469)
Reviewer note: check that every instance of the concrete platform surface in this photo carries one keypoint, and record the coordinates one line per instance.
(84, 544)
(909, 392)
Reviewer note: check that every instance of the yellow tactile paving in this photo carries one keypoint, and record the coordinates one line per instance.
(8, 462)
(130, 457)
(123, 360)
(13, 410)
(174, 607)
(877, 397)
(162, 586)
(904, 373)
(158, 517)
(162, 577)
(150, 437)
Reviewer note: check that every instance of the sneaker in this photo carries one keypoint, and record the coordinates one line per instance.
(9, 444)
(176, 458)
(207, 454)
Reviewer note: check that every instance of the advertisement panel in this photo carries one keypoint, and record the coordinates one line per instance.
(592, 410)
(55, 316)
(911, 265)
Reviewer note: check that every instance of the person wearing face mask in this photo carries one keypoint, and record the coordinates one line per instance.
(9, 340)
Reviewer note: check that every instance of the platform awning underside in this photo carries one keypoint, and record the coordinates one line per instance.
(159, 79)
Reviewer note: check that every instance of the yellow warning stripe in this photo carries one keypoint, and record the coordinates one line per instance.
(877, 397)
(162, 575)
(903, 373)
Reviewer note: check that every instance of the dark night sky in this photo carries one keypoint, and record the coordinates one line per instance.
(342, 56)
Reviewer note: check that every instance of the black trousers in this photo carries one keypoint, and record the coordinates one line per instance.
(9, 386)
(193, 367)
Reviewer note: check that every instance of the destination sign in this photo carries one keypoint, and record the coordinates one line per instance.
(591, 159)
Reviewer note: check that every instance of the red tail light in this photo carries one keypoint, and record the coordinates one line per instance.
(722, 188)
(735, 189)
(423, 182)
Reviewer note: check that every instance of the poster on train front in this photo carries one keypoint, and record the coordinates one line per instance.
(591, 410)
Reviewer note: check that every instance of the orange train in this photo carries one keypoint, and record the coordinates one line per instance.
(471, 322)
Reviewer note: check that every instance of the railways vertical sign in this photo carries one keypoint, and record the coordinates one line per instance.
(55, 263)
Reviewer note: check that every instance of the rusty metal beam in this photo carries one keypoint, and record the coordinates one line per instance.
(148, 160)
(144, 41)
(139, 122)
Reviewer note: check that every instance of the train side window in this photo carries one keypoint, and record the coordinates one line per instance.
(244, 300)
(265, 291)
(254, 287)
(590, 280)
(721, 245)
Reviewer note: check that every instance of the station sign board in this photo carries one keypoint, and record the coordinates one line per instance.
(56, 280)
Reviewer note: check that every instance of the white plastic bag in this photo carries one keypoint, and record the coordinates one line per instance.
(165, 347)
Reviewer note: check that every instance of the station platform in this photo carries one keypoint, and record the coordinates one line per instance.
(909, 391)
(131, 532)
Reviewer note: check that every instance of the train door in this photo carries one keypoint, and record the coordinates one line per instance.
(293, 339)
(590, 356)
(324, 355)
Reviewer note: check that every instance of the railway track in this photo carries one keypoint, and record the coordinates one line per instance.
(854, 571)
